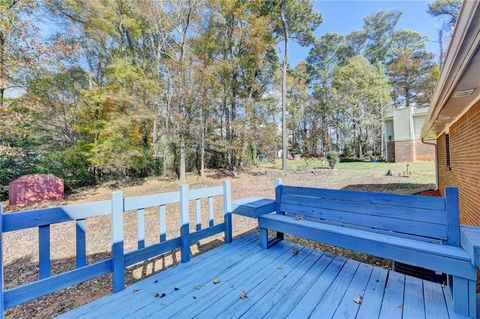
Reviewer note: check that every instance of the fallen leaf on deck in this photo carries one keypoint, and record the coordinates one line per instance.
(135, 290)
(216, 280)
(197, 286)
(358, 299)
(160, 295)
(295, 251)
(400, 306)
(243, 295)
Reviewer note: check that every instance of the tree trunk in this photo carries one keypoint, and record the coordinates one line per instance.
(202, 144)
(3, 81)
(284, 87)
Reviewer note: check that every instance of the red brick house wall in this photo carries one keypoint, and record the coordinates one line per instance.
(464, 170)
(424, 152)
(410, 151)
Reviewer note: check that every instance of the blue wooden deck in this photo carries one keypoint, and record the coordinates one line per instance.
(286, 281)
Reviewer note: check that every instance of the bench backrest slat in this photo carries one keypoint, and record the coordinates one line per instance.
(418, 216)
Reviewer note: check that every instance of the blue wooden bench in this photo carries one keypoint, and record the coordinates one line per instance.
(117, 207)
(416, 230)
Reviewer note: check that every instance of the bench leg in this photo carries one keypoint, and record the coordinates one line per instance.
(264, 238)
(280, 236)
(464, 297)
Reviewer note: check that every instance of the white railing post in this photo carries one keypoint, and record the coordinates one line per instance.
(184, 224)
(118, 257)
(278, 199)
(227, 210)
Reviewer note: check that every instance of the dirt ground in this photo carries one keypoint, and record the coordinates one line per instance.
(21, 247)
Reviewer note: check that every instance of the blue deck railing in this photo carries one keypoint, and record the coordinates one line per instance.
(117, 206)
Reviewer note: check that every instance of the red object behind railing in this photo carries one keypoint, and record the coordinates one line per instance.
(35, 188)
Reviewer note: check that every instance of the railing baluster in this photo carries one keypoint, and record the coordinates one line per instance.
(163, 228)
(184, 224)
(118, 257)
(227, 211)
(141, 228)
(44, 251)
(81, 245)
(198, 211)
(210, 212)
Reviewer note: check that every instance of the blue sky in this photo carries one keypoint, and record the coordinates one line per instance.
(344, 16)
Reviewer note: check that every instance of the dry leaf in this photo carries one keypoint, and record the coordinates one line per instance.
(197, 286)
(358, 299)
(243, 295)
(216, 280)
(295, 252)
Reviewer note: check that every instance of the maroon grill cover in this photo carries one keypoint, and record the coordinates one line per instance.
(35, 188)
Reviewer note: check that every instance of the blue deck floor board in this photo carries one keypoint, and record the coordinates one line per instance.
(393, 297)
(326, 307)
(268, 289)
(193, 299)
(307, 304)
(278, 284)
(346, 309)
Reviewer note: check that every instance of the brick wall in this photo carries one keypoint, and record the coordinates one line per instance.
(391, 151)
(404, 151)
(464, 170)
(424, 152)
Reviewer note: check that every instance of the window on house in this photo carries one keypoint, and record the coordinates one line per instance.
(447, 150)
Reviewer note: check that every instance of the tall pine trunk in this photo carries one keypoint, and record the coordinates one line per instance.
(284, 87)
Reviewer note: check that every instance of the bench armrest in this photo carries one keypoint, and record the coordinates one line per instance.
(470, 242)
(253, 207)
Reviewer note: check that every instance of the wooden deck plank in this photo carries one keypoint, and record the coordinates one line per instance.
(347, 307)
(175, 285)
(449, 303)
(291, 272)
(392, 306)
(413, 302)
(310, 299)
(279, 284)
(179, 269)
(203, 287)
(435, 306)
(275, 306)
(372, 300)
(271, 276)
(211, 294)
(327, 306)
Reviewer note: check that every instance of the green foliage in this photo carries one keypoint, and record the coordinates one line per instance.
(332, 158)
(70, 165)
(445, 8)
(410, 68)
(123, 84)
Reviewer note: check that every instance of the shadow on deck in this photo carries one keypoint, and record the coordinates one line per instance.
(288, 280)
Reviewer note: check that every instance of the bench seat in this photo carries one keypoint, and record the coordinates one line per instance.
(415, 230)
(442, 258)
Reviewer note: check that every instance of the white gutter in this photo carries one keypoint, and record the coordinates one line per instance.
(462, 48)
